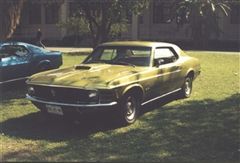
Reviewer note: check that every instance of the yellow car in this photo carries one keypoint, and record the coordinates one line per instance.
(122, 75)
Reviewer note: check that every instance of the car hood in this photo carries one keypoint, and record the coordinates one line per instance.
(86, 76)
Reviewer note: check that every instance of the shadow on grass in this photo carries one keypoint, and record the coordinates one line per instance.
(205, 130)
(36, 126)
(14, 90)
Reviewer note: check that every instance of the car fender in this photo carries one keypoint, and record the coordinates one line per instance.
(194, 66)
(42, 62)
(190, 70)
(43, 65)
(129, 87)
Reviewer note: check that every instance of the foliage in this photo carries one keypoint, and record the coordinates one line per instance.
(75, 25)
(117, 29)
(203, 128)
(104, 17)
(10, 12)
(201, 15)
(10, 15)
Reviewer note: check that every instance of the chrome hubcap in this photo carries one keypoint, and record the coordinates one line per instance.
(188, 87)
(131, 108)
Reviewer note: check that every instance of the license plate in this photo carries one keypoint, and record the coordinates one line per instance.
(54, 109)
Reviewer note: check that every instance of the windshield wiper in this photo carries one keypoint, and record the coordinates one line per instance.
(123, 63)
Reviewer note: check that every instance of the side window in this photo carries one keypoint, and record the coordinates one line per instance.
(164, 55)
(21, 51)
(141, 53)
(14, 50)
(108, 54)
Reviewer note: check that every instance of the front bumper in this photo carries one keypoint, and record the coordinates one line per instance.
(68, 107)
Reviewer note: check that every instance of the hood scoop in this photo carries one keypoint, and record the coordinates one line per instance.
(82, 67)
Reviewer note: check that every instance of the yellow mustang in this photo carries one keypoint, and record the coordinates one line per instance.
(122, 75)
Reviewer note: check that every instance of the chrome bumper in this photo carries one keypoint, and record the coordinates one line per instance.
(70, 105)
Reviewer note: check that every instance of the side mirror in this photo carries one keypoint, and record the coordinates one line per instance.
(158, 62)
(174, 58)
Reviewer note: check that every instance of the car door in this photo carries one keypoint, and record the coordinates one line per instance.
(15, 64)
(168, 70)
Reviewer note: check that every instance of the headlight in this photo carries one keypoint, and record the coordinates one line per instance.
(31, 90)
(93, 97)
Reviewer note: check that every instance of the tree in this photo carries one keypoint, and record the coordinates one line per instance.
(201, 16)
(10, 12)
(106, 17)
(76, 26)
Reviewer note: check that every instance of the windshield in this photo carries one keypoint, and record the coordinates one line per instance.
(134, 56)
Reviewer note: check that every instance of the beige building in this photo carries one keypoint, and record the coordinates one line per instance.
(150, 26)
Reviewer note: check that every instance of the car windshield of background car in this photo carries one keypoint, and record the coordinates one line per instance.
(37, 49)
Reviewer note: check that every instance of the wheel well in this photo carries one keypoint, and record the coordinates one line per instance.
(190, 74)
(137, 91)
(43, 65)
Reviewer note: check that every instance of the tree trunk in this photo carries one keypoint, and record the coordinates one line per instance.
(99, 28)
(104, 22)
(9, 17)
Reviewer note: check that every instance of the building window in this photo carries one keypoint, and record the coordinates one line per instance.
(34, 12)
(52, 13)
(161, 12)
(235, 14)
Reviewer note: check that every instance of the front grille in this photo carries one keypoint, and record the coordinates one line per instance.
(107, 96)
(64, 95)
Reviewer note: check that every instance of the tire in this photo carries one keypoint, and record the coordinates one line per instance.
(186, 88)
(128, 108)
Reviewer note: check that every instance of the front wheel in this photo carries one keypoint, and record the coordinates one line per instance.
(129, 107)
(186, 88)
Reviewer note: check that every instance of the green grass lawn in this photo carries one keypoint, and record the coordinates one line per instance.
(204, 127)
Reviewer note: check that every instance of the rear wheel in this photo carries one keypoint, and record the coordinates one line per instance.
(43, 67)
(187, 87)
(129, 108)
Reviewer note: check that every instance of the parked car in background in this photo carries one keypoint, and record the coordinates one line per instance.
(120, 75)
(20, 60)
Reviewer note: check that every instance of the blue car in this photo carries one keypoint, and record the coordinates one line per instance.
(20, 60)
